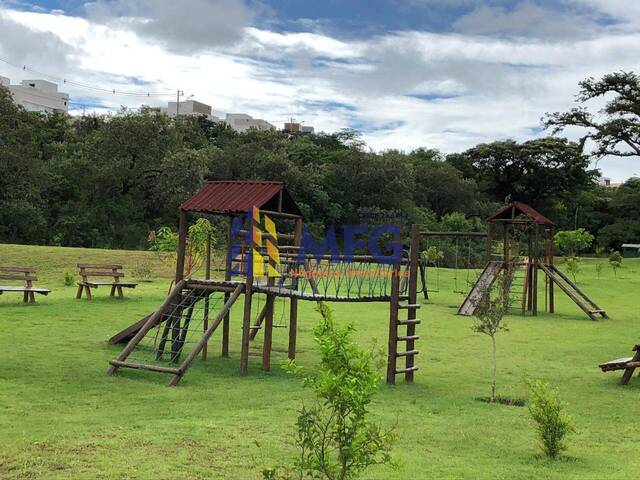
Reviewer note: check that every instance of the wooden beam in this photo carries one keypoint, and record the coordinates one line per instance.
(182, 245)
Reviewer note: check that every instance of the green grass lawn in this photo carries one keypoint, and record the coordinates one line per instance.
(62, 417)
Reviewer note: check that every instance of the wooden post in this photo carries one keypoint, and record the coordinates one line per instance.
(489, 243)
(246, 320)
(246, 326)
(268, 331)
(534, 289)
(392, 347)
(413, 299)
(182, 246)
(505, 243)
(552, 304)
(293, 309)
(207, 276)
(227, 276)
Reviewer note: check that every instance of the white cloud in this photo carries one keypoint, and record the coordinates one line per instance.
(404, 89)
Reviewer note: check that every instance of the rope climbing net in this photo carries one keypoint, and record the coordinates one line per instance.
(179, 328)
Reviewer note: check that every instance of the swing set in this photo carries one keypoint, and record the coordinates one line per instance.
(455, 249)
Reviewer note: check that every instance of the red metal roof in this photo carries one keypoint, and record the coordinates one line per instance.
(239, 197)
(515, 209)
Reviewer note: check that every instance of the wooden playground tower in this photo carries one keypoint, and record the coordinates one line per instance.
(520, 238)
(186, 321)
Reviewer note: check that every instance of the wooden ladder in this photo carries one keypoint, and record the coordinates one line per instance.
(403, 343)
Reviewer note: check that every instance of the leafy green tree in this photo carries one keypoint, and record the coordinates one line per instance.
(336, 439)
(572, 242)
(22, 210)
(440, 186)
(615, 128)
(624, 216)
(538, 172)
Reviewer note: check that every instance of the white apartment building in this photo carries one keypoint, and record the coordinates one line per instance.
(38, 95)
(190, 107)
(241, 122)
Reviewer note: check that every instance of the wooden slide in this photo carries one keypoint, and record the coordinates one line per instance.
(573, 292)
(486, 279)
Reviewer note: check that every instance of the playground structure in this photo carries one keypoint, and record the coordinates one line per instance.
(525, 244)
(265, 259)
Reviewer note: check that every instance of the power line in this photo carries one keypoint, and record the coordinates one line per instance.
(86, 86)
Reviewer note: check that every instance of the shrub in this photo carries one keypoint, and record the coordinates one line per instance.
(69, 278)
(335, 438)
(143, 270)
(552, 424)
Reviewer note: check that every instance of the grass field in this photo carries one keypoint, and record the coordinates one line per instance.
(61, 417)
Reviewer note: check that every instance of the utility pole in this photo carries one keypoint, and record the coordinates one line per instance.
(179, 93)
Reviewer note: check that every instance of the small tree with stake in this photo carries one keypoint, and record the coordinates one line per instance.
(493, 305)
(336, 440)
(615, 260)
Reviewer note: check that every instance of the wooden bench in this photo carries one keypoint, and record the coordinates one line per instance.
(87, 270)
(26, 275)
(628, 364)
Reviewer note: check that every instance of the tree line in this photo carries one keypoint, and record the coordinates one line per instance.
(106, 181)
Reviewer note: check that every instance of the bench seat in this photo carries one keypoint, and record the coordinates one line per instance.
(25, 275)
(41, 291)
(109, 284)
(617, 364)
(628, 364)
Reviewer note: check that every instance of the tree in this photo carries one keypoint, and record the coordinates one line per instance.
(492, 306)
(572, 242)
(540, 172)
(624, 216)
(165, 243)
(22, 210)
(618, 132)
(336, 439)
(615, 260)
(573, 267)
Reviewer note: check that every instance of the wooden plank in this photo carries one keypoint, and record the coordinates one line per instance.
(17, 270)
(427, 233)
(18, 277)
(551, 274)
(102, 274)
(11, 288)
(139, 366)
(128, 333)
(100, 265)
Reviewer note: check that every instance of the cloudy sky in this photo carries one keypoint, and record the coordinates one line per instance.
(444, 74)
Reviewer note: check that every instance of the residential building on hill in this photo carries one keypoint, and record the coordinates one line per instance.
(38, 95)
